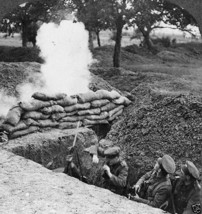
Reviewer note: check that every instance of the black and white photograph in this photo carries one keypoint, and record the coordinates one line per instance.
(100, 106)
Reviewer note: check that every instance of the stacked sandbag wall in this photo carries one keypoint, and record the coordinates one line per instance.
(63, 112)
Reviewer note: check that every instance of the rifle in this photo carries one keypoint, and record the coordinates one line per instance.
(73, 149)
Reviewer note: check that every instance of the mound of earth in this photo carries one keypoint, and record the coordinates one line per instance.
(173, 56)
(160, 124)
(27, 187)
(19, 54)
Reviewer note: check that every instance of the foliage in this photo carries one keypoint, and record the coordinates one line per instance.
(93, 13)
(149, 14)
(25, 16)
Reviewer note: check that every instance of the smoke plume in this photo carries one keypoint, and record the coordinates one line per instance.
(67, 57)
(64, 48)
(6, 102)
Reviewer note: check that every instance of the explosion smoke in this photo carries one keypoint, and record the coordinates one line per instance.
(64, 48)
(67, 56)
(6, 102)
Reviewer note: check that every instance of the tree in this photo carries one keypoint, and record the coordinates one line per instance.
(92, 14)
(194, 7)
(148, 14)
(119, 13)
(106, 14)
(28, 14)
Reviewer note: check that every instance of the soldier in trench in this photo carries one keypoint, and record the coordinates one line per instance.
(186, 191)
(154, 187)
(114, 170)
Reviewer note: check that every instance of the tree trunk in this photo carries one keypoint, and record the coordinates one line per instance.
(148, 41)
(117, 48)
(98, 38)
(90, 40)
(24, 34)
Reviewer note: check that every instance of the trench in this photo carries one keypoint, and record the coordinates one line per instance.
(50, 148)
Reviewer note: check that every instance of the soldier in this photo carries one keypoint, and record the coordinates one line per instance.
(155, 186)
(115, 171)
(186, 190)
(70, 168)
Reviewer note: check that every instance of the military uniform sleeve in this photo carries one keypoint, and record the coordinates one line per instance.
(144, 178)
(194, 204)
(121, 179)
(159, 199)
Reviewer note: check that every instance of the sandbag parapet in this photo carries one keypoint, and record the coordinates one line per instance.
(63, 112)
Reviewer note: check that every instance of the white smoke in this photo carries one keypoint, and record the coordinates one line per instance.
(67, 57)
(6, 103)
(64, 48)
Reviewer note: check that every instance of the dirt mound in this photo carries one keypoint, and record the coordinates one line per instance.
(13, 74)
(19, 54)
(160, 125)
(173, 56)
(28, 187)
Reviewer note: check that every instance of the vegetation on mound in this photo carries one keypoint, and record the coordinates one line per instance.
(160, 125)
(19, 54)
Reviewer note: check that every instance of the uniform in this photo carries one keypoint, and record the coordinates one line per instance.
(118, 169)
(155, 188)
(117, 182)
(187, 195)
(155, 191)
(186, 198)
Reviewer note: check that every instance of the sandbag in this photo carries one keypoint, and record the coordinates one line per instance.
(70, 108)
(87, 97)
(52, 109)
(114, 116)
(119, 100)
(115, 110)
(6, 127)
(67, 101)
(89, 111)
(72, 118)
(98, 95)
(127, 101)
(58, 116)
(99, 103)
(45, 97)
(122, 100)
(20, 126)
(71, 113)
(101, 116)
(31, 122)
(108, 107)
(78, 106)
(35, 105)
(110, 95)
(13, 116)
(67, 125)
(47, 123)
(87, 122)
(36, 115)
(24, 132)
